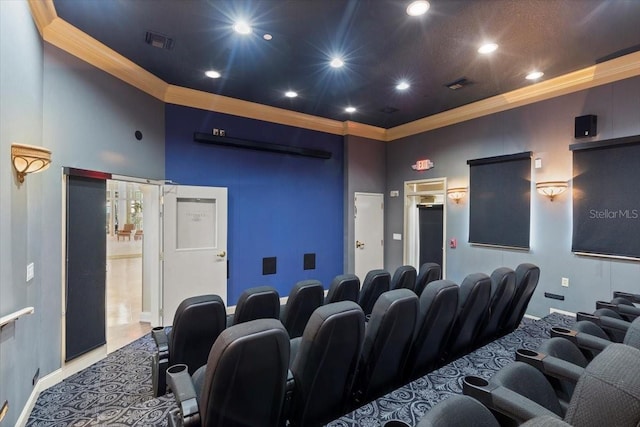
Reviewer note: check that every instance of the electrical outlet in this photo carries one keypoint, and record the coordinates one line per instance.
(565, 282)
(222, 132)
(216, 132)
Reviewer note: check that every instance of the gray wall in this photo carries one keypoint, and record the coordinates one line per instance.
(20, 204)
(88, 119)
(364, 173)
(546, 128)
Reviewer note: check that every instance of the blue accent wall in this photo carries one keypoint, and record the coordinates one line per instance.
(279, 205)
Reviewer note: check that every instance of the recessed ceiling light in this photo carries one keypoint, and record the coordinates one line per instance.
(487, 48)
(337, 62)
(403, 85)
(418, 8)
(534, 75)
(212, 74)
(267, 37)
(242, 27)
(350, 109)
(290, 94)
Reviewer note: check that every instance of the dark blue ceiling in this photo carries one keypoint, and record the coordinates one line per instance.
(379, 42)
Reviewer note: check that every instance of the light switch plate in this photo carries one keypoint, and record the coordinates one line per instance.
(30, 271)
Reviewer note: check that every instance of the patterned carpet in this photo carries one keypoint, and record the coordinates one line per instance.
(116, 391)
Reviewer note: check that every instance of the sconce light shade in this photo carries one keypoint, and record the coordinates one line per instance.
(28, 159)
(551, 188)
(456, 194)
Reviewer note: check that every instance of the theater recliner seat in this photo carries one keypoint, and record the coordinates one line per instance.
(243, 382)
(304, 298)
(345, 287)
(375, 283)
(429, 272)
(261, 302)
(196, 324)
(527, 276)
(324, 364)
(386, 343)
(404, 277)
(503, 285)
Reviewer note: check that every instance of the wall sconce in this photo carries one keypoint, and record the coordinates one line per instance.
(456, 194)
(551, 188)
(29, 159)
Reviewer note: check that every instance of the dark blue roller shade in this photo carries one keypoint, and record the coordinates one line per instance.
(606, 197)
(500, 200)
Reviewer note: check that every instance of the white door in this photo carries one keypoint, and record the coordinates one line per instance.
(194, 245)
(369, 233)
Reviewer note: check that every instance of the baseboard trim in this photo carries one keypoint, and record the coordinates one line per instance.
(145, 317)
(528, 316)
(557, 310)
(56, 377)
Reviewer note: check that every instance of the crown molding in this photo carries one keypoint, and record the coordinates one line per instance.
(59, 33)
(607, 72)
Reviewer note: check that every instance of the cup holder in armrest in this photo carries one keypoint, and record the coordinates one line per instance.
(395, 423)
(530, 357)
(180, 383)
(557, 331)
(478, 388)
(177, 369)
(605, 304)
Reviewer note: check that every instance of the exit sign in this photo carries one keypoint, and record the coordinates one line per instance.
(422, 165)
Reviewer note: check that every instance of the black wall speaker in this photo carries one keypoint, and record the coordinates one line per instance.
(586, 126)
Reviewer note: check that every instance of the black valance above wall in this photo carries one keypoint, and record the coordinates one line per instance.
(606, 197)
(500, 200)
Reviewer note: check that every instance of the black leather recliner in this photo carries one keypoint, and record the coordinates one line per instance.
(527, 276)
(196, 324)
(261, 302)
(473, 300)
(503, 285)
(243, 383)
(304, 298)
(324, 363)
(429, 272)
(375, 283)
(404, 277)
(345, 287)
(438, 304)
(386, 344)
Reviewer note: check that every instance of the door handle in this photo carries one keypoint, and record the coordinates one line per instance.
(359, 244)
(222, 254)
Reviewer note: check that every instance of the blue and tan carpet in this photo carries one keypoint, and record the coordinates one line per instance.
(117, 390)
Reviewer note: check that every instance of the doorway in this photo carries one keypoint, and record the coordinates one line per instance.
(425, 222)
(369, 233)
(128, 314)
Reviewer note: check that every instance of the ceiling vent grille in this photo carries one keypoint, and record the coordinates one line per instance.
(158, 40)
(389, 110)
(458, 84)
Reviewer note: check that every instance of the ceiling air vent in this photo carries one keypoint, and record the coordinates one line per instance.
(458, 84)
(158, 40)
(388, 110)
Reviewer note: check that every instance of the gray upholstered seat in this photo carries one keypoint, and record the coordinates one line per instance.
(527, 276)
(375, 283)
(503, 284)
(344, 287)
(386, 344)
(261, 302)
(459, 410)
(325, 363)
(243, 382)
(473, 301)
(438, 304)
(196, 324)
(304, 298)
(404, 277)
(429, 272)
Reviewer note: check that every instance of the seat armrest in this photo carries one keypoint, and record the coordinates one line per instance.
(160, 337)
(185, 394)
(294, 347)
(634, 298)
(581, 339)
(503, 400)
(549, 365)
